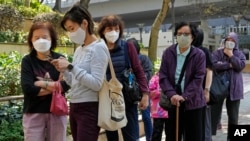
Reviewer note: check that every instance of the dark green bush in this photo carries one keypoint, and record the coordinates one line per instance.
(11, 121)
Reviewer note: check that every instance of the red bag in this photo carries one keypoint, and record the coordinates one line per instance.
(58, 105)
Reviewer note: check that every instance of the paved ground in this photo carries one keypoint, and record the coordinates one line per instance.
(244, 117)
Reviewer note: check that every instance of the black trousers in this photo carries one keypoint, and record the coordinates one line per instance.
(159, 124)
(232, 113)
(191, 124)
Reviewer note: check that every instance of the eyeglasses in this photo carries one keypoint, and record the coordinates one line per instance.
(184, 34)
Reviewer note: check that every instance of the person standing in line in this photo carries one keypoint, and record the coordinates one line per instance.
(159, 115)
(147, 68)
(188, 95)
(85, 74)
(38, 76)
(233, 61)
(111, 30)
(206, 83)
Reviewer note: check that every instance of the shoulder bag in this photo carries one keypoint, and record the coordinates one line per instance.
(220, 86)
(131, 87)
(111, 112)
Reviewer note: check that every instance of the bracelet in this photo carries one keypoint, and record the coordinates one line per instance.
(46, 84)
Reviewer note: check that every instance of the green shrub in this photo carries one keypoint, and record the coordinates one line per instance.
(27, 12)
(10, 74)
(11, 18)
(52, 17)
(13, 37)
(34, 9)
(11, 121)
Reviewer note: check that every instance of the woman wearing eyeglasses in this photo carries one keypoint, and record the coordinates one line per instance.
(188, 94)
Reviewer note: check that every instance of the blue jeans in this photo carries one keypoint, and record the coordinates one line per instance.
(148, 129)
(130, 132)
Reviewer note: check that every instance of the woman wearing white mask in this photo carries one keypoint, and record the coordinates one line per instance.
(37, 79)
(233, 61)
(111, 30)
(187, 93)
(86, 73)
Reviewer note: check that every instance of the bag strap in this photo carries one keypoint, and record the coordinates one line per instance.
(127, 55)
(57, 87)
(184, 67)
(110, 65)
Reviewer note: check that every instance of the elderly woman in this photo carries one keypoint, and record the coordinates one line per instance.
(38, 77)
(121, 52)
(232, 60)
(189, 96)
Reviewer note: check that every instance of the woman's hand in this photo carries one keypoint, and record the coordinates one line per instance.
(176, 99)
(40, 83)
(144, 102)
(207, 94)
(60, 64)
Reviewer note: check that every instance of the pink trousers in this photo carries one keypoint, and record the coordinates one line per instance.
(38, 127)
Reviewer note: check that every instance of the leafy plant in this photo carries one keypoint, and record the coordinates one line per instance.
(10, 18)
(13, 37)
(10, 74)
(54, 18)
(10, 121)
(34, 9)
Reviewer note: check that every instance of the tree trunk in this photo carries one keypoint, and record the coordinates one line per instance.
(57, 6)
(27, 3)
(85, 3)
(153, 41)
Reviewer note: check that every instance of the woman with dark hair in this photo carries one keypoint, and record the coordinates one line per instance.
(122, 52)
(186, 93)
(85, 74)
(206, 83)
(147, 68)
(37, 80)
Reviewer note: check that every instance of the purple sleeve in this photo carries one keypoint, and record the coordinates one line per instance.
(164, 78)
(219, 63)
(238, 61)
(137, 68)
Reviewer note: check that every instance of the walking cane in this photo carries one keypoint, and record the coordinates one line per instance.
(177, 123)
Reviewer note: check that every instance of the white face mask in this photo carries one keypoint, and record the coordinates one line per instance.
(183, 41)
(78, 36)
(230, 44)
(112, 36)
(42, 45)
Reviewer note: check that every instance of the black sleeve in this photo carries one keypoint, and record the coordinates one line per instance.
(209, 63)
(27, 78)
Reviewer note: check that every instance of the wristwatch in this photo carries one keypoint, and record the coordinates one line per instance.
(70, 67)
